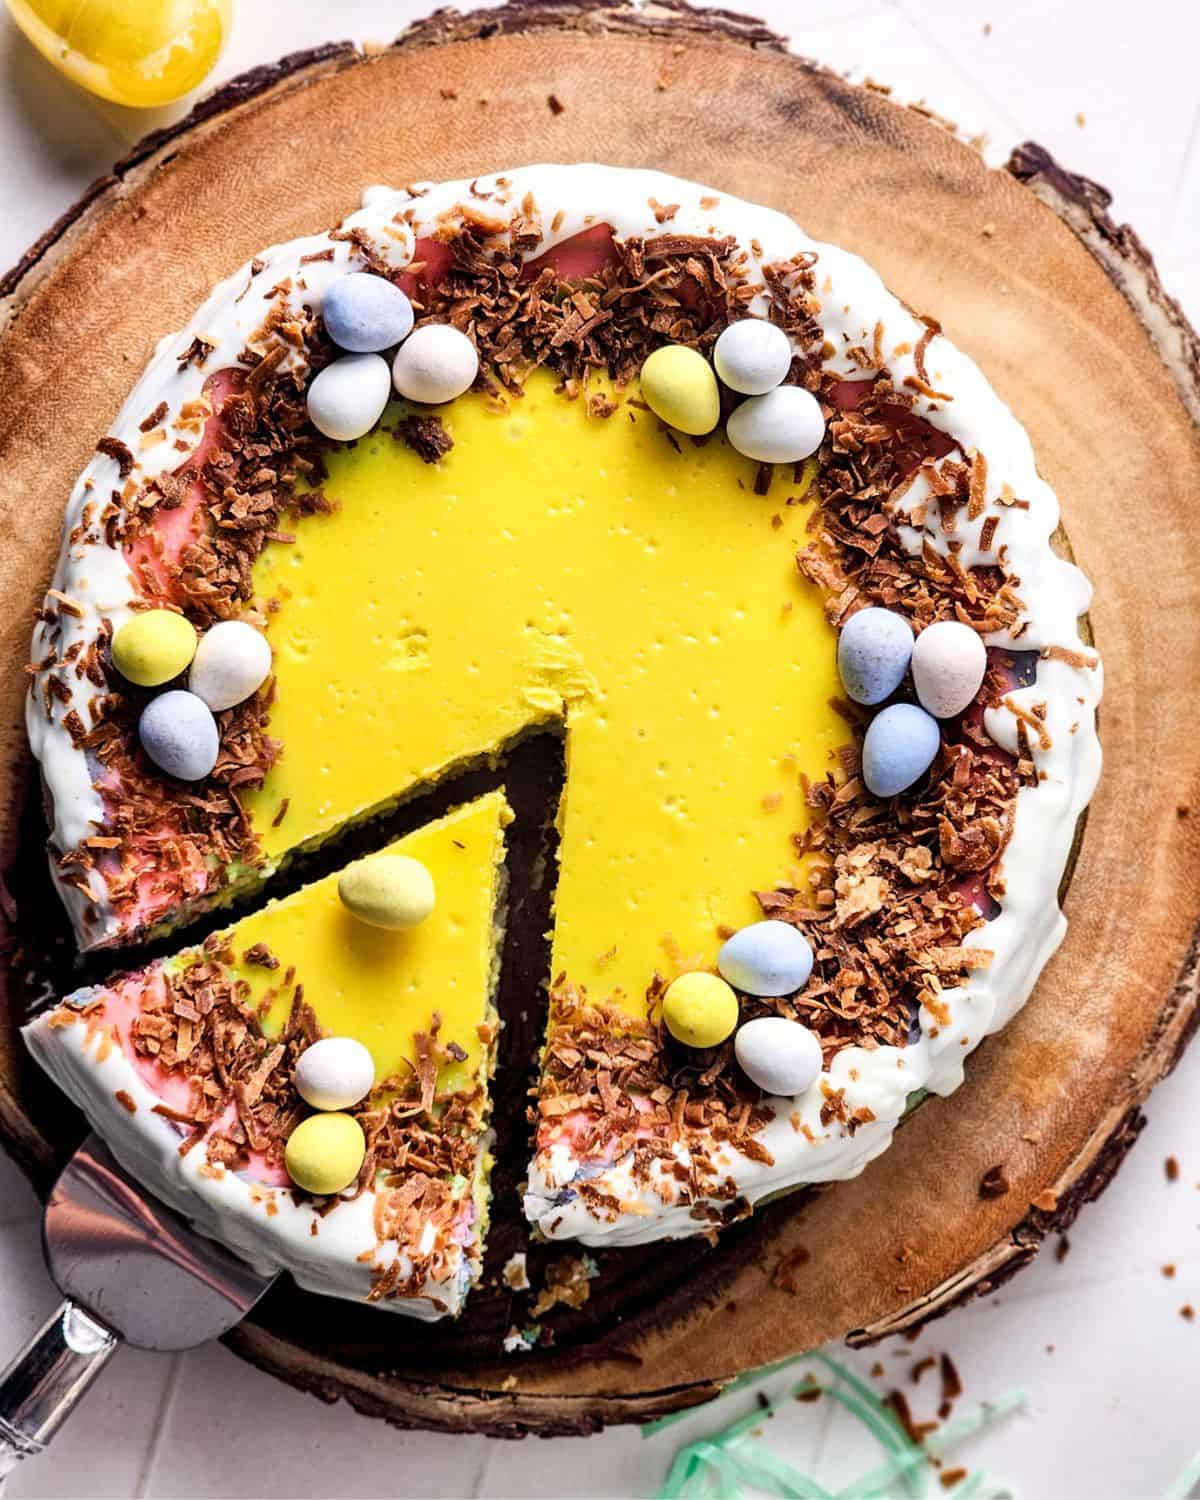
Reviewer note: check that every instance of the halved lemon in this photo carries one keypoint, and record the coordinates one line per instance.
(137, 52)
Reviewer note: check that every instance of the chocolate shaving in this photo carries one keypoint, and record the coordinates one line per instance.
(114, 448)
(994, 1183)
(426, 436)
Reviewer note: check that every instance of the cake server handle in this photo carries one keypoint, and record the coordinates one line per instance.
(41, 1386)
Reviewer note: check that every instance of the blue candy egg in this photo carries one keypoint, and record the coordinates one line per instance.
(874, 650)
(899, 748)
(766, 958)
(365, 313)
(179, 734)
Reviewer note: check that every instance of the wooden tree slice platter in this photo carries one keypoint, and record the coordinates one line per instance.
(1065, 315)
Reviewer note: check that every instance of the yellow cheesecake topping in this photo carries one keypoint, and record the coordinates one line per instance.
(595, 576)
(383, 988)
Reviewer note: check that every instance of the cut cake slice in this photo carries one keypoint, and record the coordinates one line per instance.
(187, 1067)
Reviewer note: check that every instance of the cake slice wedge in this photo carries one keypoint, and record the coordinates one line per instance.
(187, 1069)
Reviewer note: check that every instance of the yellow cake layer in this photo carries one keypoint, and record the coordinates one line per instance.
(558, 566)
(381, 987)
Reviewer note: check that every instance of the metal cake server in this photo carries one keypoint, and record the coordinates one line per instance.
(130, 1271)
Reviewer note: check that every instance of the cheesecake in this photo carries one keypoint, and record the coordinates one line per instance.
(601, 454)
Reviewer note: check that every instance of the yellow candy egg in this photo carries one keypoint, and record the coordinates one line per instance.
(679, 386)
(700, 1010)
(389, 890)
(154, 646)
(324, 1153)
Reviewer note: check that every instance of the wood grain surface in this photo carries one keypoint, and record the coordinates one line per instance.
(1062, 310)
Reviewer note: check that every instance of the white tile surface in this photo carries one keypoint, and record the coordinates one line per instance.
(232, 1431)
(1113, 1411)
(103, 1450)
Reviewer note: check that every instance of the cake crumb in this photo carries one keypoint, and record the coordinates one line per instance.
(786, 1273)
(515, 1273)
(568, 1282)
(521, 1340)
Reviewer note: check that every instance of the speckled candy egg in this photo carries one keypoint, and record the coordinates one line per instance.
(435, 364)
(232, 661)
(153, 646)
(366, 313)
(781, 427)
(874, 650)
(766, 958)
(324, 1153)
(899, 748)
(948, 664)
(347, 398)
(179, 734)
(335, 1073)
(679, 387)
(752, 356)
(388, 890)
(700, 1010)
(782, 1057)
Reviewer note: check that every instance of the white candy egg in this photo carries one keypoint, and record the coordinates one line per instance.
(782, 1057)
(948, 664)
(232, 661)
(752, 356)
(781, 427)
(435, 364)
(335, 1073)
(347, 398)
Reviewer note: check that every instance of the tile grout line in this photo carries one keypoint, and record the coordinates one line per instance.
(934, 43)
(481, 1473)
(153, 1448)
(847, 18)
(1191, 155)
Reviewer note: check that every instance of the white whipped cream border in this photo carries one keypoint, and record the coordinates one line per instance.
(854, 300)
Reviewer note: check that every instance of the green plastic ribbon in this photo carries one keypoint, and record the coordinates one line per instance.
(1185, 1482)
(727, 1464)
